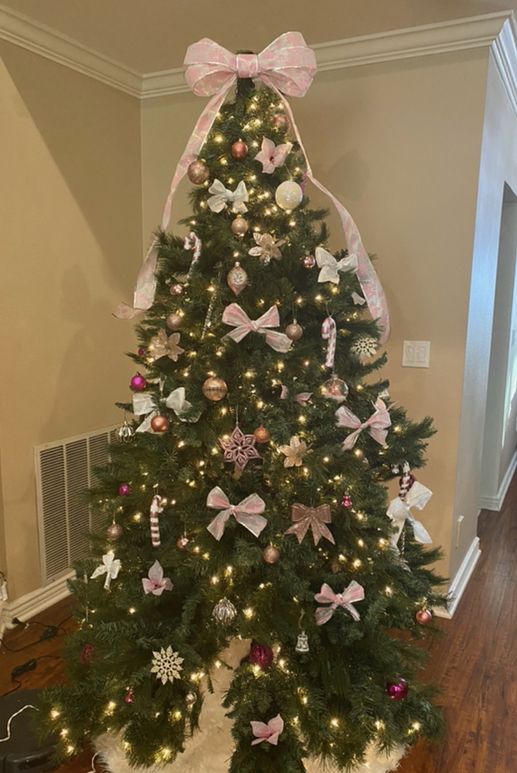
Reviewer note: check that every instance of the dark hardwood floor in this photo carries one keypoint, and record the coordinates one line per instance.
(474, 663)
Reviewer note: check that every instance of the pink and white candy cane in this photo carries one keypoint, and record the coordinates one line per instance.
(194, 243)
(155, 510)
(406, 480)
(287, 66)
(329, 333)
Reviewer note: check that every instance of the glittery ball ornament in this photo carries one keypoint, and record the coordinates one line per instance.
(176, 289)
(302, 643)
(294, 331)
(129, 697)
(214, 388)
(335, 389)
(198, 172)
(237, 278)
(182, 542)
(174, 321)
(288, 195)
(160, 424)
(309, 261)
(138, 383)
(125, 433)
(124, 490)
(86, 653)
(281, 121)
(239, 150)
(347, 501)
(424, 616)
(239, 226)
(224, 612)
(271, 554)
(397, 690)
(141, 351)
(261, 655)
(262, 435)
(114, 532)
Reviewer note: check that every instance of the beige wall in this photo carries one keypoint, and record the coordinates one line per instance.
(399, 143)
(70, 193)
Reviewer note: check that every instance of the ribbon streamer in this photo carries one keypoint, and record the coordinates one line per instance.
(247, 513)
(330, 267)
(154, 512)
(399, 511)
(236, 317)
(377, 425)
(287, 66)
(329, 333)
(346, 600)
(313, 518)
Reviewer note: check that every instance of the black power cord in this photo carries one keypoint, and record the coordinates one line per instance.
(24, 668)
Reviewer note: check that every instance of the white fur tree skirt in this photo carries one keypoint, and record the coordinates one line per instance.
(210, 749)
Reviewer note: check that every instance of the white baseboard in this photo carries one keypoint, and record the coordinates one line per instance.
(38, 600)
(461, 580)
(496, 503)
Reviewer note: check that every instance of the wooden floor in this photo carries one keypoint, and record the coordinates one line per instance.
(474, 662)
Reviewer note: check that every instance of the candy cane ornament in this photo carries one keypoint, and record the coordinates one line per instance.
(329, 333)
(155, 510)
(406, 481)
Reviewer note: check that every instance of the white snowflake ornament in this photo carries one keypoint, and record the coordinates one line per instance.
(366, 346)
(167, 665)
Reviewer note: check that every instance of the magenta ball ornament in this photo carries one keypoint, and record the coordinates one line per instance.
(87, 653)
(347, 501)
(398, 689)
(129, 697)
(124, 490)
(309, 261)
(261, 655)
(114, 532)
(138, 383)
(141, 351)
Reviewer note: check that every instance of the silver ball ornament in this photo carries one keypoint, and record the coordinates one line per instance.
(125, 433)
(174, 321)
(288, 195)
(224, 612)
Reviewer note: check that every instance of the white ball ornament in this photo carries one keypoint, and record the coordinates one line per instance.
(288, 195)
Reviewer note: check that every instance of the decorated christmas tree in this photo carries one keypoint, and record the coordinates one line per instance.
(246, 499)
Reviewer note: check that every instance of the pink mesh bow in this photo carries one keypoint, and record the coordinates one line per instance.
(247, 513)
(313, 518)
(236, 317)
(288, 66)
(346, 600)
(269, 732)
(377, 425)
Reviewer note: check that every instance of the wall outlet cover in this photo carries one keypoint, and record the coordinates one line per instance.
(416, 354)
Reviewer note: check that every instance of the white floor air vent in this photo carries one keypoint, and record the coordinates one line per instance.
(64, 469)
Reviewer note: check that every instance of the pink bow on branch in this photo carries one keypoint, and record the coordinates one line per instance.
(236, 317)
(287, 66)
(377, 425)
(302, 398)
(269, 733)
(313, 518)
(346, 600)
(247, 513)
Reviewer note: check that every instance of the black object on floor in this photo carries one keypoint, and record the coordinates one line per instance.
(22, 753)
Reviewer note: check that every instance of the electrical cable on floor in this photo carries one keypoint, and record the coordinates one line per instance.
(14, 689)
(16, 713)
(23, 668)
(94, 770)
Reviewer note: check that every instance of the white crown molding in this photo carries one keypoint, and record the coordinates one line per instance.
(495, 29)
(430, 39)
(22, 31)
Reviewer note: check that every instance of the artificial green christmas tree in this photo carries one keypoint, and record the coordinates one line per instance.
(246, 500)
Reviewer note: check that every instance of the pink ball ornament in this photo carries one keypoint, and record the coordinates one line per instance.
(346, 501)
(138, 383)
(87, 653)
(141, 351)
(281, 121)
(124, 490)
(239, 150)
(176, 289)
(114, 532)
(397, 690)
(309, 261)
(261, 655)
(424, 616)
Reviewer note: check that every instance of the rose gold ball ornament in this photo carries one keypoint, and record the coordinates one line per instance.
(239, 150)
(239, 225)
(424, 616)
(294, 331)
(176, 289)
(335, 389)
(237, 279)
(309, 261)
(129, 697)
(288, 195)
(262, 435)
(174, 321)
(160, 424)
(271, 554)
(182, 542)
(198, 172)
(114, 532)
(214, 388)
(281, 121)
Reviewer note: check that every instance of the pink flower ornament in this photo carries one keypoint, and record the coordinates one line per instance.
(155, 582)
(268, 733)
(272, 156)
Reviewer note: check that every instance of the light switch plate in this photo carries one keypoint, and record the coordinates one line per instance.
(416, 354)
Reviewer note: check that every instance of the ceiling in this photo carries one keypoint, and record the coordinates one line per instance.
(152, 35)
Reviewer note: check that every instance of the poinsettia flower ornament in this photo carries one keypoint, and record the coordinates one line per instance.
(267, 247)
(155, 582)
(272, 156)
